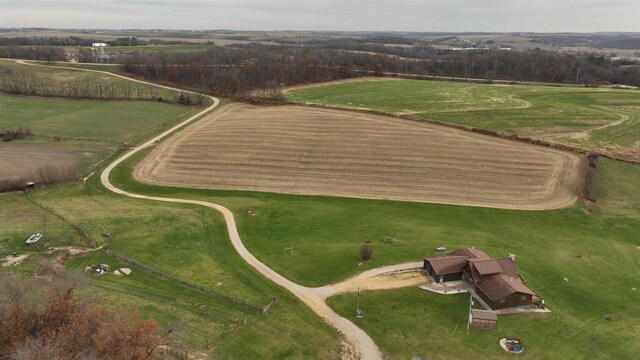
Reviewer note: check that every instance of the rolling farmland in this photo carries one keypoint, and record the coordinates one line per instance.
(602, 119)
(300, 150)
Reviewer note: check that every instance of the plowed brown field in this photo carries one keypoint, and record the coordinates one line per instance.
(312, 151)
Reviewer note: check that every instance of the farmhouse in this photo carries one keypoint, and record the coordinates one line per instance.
(496, 281)
(450, 267)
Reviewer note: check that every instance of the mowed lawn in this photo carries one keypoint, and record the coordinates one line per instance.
(599, 254)
(587, 117)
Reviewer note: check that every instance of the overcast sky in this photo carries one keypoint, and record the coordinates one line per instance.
(369, 15)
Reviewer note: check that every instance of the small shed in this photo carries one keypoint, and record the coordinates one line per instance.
(483, 319)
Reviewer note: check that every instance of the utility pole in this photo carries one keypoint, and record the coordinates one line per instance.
(359, 313)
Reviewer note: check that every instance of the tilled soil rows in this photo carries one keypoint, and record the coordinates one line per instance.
(313, 151)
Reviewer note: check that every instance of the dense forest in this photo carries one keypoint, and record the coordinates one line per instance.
(232, 71)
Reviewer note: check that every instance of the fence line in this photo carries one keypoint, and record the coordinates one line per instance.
(78, 227)
(178, 354)
(268, 307)
(202, 289)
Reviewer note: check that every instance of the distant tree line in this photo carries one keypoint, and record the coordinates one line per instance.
(244, 67)
(84, 41)
(232, 71)
(531, 65)
(40, 53)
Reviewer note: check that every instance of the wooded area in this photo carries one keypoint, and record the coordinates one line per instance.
(233, 71)
(236, 69)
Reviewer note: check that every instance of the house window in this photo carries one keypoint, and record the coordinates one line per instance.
(523, 297)
(502, 301)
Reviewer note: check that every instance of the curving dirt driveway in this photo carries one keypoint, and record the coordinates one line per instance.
(363, 344)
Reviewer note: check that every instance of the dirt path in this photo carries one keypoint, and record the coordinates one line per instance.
(362, 343)
(11, 260)
(382, 278)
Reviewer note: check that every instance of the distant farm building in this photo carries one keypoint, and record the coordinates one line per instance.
(496, 281)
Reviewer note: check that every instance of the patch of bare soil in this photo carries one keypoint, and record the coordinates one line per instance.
(12, 260)
(315, 151)
(393, 280)
(349, 352)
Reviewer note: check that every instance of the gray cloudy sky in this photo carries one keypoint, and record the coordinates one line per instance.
(387, 15)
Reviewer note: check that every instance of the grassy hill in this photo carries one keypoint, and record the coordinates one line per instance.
(75, 133)
(591, 118)
(597, 252)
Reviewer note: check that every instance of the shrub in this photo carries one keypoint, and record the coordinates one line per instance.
(366, 252)
(20, 132)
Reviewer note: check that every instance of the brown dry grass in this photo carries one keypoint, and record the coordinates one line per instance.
(313, 151)
(23, 161)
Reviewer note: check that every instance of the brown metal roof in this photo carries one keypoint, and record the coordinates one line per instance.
(499, 286)
(470, 253)
(486, 266)
(447, 264)
(508, 266)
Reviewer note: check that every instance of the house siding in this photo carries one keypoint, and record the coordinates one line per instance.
(513, 300)
(446, 277)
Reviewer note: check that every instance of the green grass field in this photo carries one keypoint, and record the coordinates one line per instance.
(412, 321)
(90, 129)
(186, 242)
(190, 243)
(113, 121)
(327, 233)
(156, 48)
(100, 67)
(572, 115)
